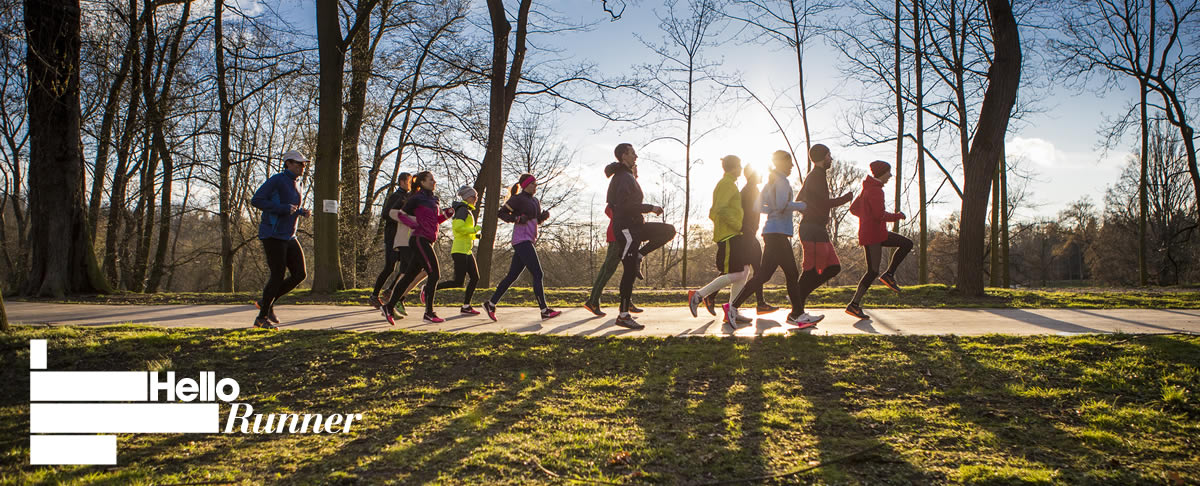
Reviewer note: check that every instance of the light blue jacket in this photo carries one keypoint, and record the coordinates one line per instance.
(778, 205)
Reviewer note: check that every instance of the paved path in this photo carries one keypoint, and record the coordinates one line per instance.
(659, 321)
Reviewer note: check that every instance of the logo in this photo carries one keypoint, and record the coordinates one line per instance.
(74, 415)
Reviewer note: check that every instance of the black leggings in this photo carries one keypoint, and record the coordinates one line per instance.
(756, 265)
(423, 258)
(777, 254)
(875, 254)
(390, 258)
(524, 256)
(281, 255)
(655, 235)
(810, 280)
(464, 268)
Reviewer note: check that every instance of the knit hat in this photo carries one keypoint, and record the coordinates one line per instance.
(466, 192)
(879, 168)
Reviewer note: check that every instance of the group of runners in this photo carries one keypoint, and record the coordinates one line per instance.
(412, 215)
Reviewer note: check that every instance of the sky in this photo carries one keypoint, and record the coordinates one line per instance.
(1059, 143)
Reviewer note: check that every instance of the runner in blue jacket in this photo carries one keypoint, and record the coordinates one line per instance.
(279, 200)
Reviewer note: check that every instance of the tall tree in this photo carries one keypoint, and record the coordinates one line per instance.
(502, 92)
(62, 258)
(918, 14)
(678, 87)
(980, 165)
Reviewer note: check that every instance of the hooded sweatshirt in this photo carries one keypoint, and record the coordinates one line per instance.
(465, 230)
(815, 193)
(395, 200)
(726, 212)
(625, 198)
(778, 205)
(525, 212)
(274, 198)
(872, 213)
(426, 215)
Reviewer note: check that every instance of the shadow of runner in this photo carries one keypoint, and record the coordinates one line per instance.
(1118, 319)
(839, 429)
(1041, 321)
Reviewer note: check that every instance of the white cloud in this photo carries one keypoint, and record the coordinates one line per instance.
(1045, 154)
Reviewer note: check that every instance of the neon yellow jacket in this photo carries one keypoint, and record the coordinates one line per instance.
(726, 212)
(465, 230)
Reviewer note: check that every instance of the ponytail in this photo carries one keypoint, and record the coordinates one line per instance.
(515, 189)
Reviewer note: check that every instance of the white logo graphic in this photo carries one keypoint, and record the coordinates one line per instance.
(102, 403)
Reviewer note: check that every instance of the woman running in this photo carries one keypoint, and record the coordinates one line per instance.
(465, 234)
(525, 212)
(426, 216)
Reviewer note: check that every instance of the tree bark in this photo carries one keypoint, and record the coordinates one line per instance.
(980, 165)
(503, 92)
(100, 171)
(899, 183)
(994, 240)
(1143, 198)
(155, 117)
(62, 258)
(1004, 214)
(918, 55)
(327, 271)
(355, 228)
(225, 162)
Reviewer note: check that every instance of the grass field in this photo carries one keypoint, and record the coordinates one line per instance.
(523, 409)
(917, 296)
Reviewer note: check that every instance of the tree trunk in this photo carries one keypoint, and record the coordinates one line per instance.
(799, 47)
(113, 103)
(994, 240)
(503, 92)
(225, 162)
(918, 54)
(687, 173)
(899, 183)
(1143, 198)
(980, 165)
(155, 116)
(354, 228)
(62, 258)
(3, 314)
(1004, 214)
(327, 271)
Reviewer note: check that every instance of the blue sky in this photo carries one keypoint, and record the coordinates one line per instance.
(1059, 143)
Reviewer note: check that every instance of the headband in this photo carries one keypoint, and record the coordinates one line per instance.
(526, 181)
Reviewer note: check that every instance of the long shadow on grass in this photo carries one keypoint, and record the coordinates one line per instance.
(1031, 427)
(839, 433)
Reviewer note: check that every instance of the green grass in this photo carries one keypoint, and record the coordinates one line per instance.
(489, 408)
(916, 296)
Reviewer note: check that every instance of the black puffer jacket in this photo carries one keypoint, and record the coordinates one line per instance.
(625, 198)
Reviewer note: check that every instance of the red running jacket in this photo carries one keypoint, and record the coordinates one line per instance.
(872, 215)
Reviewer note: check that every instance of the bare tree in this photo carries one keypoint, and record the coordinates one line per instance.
(62, 258)
(684, 85)
(980, 164)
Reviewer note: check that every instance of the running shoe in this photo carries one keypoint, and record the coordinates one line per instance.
(804, 320)
(765, 309)
(400, 308)
(694, 299)
(856, 311)
(594, 309)
(890, 281)
(710, 304)
(270, 314)
(634, 309)
(740, 319)
(431, 317)
(263, 323)
(388, 315)
(802, 326)
(549, 313)
(731, 313)
(626, 321)
(490, 308)
(466, 309)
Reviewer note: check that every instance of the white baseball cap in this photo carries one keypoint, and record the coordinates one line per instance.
(294, 155)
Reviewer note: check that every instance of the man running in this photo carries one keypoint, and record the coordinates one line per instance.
(612, 257)
(820, 259)
(279, 200)
(726, 215)
(631, 229)
(778, 205)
